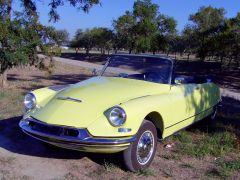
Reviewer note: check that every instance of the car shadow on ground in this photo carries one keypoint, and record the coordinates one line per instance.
(227, 119)
(94, 58)
(58, 79)
(14, 140)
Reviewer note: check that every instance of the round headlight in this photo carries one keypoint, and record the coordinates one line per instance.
(30, 101)
(117, 116)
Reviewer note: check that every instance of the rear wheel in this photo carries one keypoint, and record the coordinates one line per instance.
(140, 153)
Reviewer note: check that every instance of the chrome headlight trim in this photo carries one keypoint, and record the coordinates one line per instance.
(30, 101)
(117, 116)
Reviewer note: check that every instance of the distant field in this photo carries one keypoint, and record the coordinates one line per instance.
(201, 152)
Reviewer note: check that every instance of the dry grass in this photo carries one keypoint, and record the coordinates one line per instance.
(24, 79)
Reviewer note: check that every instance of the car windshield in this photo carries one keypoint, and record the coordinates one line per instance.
(147, 68)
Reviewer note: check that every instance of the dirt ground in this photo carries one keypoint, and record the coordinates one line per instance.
(22, 157)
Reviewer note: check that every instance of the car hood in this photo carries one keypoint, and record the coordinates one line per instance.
(82, 103)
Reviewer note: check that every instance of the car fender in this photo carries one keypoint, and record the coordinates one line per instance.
(136, 110)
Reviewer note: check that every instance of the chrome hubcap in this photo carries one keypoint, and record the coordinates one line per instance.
(145, 147)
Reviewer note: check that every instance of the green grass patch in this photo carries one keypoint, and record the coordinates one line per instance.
(186, 165)
(171, 156)
(6, 94)
(167, 172)
(216, 144)
(146, 172)
(108, 166)
(224, 169)
(12, 103)
(2, 95)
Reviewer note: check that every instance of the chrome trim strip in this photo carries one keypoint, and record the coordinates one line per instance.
(69, 99)
(83, 138)
(77, 146)
(192, 116)
(46, 124)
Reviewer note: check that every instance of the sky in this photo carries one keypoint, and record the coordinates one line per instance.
(103, 16)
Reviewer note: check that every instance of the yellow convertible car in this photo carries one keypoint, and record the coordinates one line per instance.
(133, 102)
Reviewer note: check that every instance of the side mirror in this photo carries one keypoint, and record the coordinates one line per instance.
(94, 72)
(179, 80)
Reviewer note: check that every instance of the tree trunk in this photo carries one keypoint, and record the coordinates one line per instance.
(221, 59)
(9, 8)
(3, 79)
(168, 53)
(76, 50)
(229, 62)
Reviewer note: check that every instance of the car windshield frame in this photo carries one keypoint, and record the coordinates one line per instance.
(128, 56)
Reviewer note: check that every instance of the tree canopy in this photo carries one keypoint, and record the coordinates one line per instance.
(100, 38)
(21, 33)
(144, 29)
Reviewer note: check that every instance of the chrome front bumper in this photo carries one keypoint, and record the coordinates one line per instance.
(73, 138)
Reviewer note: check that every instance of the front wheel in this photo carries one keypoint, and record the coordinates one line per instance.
(140, 153)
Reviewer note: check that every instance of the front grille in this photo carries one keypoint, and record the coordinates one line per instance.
(53, 130)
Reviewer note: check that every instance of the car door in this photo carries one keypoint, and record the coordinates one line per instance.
(209, 97)
(186, 104)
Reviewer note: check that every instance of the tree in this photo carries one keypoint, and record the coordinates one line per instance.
(62, 37)
(58, 37)
(228, 41)
(234, 33)
(85, 41)
(125, 35)
(206, 22)
(97, 37)
(102, 38)
(19, 37)
(167, 32)
(84, 5)
(145, 13)
(144, 29)
(21, 32)
(189, 40)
